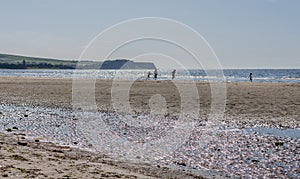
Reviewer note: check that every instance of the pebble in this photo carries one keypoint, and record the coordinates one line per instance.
(22, 143)
(226, 148)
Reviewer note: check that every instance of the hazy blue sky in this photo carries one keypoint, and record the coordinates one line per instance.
(243, 33)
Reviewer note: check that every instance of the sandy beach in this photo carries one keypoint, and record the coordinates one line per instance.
(247, 104)
(153, 89)
(279, 102)
(31, 158)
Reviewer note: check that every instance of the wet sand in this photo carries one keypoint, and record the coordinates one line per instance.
(31, 158)
(247, 104)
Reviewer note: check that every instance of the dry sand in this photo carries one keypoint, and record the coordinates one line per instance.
(276, 104)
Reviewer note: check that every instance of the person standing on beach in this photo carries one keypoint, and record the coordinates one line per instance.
(173, 74)
(155, 74)
(148, 75)
(250, 77)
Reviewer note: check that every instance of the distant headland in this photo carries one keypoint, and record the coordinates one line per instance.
(8, 61)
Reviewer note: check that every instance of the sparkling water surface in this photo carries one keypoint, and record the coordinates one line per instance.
(231, 75)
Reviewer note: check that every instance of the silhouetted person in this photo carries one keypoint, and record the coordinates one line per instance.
(148, 75)
(250, 77)
(24, 64)
(173, 74)
(155, 74)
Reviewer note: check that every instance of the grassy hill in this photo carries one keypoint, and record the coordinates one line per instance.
(23, 62)
(14, 59)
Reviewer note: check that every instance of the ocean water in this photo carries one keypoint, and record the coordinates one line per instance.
(230, 75)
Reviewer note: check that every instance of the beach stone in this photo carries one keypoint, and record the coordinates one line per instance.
(254, 161)
(279, 143)
(5, 175)
(22, 143)
(181, 163)
(8, 129)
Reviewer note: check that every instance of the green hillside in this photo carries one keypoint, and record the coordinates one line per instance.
(5, 58)
(23, 62)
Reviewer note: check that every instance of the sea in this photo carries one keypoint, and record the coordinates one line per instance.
(229, 75)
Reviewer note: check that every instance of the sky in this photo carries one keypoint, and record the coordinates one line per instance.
(242, 33)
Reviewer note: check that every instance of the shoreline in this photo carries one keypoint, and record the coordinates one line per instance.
(151, 79)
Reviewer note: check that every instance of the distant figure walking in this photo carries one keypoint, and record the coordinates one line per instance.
(173, 74)
(250, 77)
(155, 74)
(148, 75)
